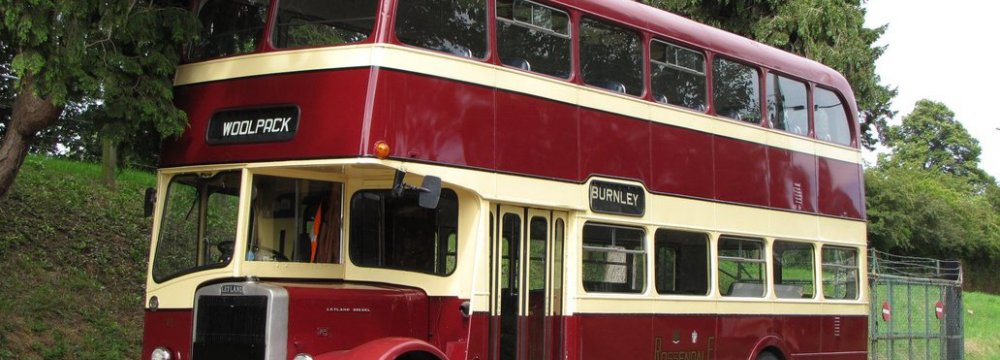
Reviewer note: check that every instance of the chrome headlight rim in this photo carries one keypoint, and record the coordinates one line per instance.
(161, 353)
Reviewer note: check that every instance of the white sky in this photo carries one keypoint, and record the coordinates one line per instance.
(946, 51)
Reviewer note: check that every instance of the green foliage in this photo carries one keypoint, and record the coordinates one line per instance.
(930, 213)
(122, 52)
(830, 32)
(930, 138)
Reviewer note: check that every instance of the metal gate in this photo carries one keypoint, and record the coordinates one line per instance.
(916, 308)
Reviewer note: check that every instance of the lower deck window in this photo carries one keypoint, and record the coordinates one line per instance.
(840, 273)
(614, 259)
(393, 232)
(741, 267)
(793, 270)
(681, 263)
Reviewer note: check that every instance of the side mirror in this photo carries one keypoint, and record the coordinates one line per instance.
(430, 189)
(430, 192)
(149, 202)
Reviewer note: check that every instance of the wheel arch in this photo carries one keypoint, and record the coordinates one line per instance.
(772, 344)
(394, 348)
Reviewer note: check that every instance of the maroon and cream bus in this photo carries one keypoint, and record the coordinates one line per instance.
(503, 179)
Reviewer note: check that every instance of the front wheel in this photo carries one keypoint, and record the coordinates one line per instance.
(767, 355)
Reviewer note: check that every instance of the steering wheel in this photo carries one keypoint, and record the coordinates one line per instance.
(271, 254)
(226, 249)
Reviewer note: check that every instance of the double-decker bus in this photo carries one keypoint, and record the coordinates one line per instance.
(502, 179)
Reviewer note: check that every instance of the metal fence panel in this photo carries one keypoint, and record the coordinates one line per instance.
(916, 308)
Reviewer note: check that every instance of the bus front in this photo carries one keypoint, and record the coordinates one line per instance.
(256, 201)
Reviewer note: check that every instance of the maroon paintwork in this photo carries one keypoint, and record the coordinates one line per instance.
(457, 124)
(344, 112)
(317, 315)
(719, 337)
(170, 329)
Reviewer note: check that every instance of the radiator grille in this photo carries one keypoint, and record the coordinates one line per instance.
(230, 327)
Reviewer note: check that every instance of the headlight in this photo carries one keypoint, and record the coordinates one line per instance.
(161, 353)
(303, 357)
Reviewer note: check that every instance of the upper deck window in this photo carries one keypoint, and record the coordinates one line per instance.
(534, 37)
(831, 118)
(736, 90)
(611, 57)
(678, 75)
(393, 232)
(787, 105)
(452, 26)
(229, 27)
(321, 22)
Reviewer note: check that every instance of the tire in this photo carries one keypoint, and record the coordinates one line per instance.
(767, 355)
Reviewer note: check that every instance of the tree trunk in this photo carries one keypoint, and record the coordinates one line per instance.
(31, 114)
(109, 161)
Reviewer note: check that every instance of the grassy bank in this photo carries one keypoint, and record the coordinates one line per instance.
(982, 316)
(72, 255)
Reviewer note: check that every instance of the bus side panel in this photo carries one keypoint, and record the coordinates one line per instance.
(331, 103)
(167, 328)
(449, 328)
(851, 339)
(840, 189)
(536, 136)
(793, 180)
(801, 335)
(617, 336)
(434, 119)
(739, 334)
(741, 172)
(684, 336)
(682, 161)
(479, 340)
(614, 146)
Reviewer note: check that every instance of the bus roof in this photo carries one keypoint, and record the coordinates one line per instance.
(686, 31)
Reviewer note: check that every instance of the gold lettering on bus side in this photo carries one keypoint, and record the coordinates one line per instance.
(659, 354)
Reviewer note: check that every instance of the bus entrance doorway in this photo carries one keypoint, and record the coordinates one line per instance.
(527, 277)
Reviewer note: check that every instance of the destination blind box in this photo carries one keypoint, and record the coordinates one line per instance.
(616, 198)
(238, 126)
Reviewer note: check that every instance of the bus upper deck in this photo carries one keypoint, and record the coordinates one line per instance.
(525, 89)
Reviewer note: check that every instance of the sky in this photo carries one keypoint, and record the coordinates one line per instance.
(945, 51)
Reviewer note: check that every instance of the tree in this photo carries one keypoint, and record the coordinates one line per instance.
(929, 213)
(122, 52)
(930, 138)
(830, 32)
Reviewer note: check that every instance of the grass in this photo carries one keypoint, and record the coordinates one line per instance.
(982, 316)
(73, 257)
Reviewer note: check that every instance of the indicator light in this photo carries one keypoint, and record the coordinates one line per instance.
(382, 150)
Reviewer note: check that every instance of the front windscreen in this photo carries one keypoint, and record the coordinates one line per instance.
(302, 23)
(229, 27)
(294, 220)
(198, 227)
(393, 232)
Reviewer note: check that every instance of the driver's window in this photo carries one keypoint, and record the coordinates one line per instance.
(294, 220)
